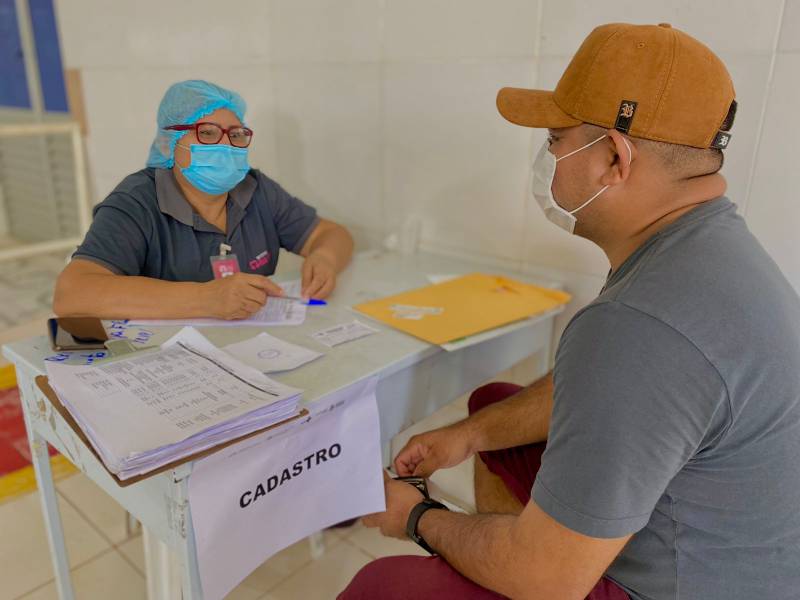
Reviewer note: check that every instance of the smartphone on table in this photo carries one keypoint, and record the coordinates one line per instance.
(76, 333)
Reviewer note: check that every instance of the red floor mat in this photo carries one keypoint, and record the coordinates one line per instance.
(14, 449)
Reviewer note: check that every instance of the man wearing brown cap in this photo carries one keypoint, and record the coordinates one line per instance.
(672, 419)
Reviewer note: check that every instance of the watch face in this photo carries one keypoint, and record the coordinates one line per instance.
(417, 482)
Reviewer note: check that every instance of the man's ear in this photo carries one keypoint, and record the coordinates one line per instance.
(625, 153)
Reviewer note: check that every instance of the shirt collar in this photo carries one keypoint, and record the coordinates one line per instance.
(702, 211)
(171, 201)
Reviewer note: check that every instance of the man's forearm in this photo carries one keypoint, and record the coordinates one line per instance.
(524, 418)
(123, 297)
(480, 547)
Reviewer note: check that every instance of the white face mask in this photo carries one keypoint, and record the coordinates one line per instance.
(544, 170)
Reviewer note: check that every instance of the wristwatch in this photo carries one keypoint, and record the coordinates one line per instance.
(413, 520)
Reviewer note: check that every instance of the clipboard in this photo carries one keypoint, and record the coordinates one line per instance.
(44, 386)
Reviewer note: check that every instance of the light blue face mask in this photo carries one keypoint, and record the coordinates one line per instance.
(215, 168)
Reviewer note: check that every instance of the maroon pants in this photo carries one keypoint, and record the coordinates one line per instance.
(429, 578)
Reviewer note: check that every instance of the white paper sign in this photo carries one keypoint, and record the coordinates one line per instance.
(253, 499)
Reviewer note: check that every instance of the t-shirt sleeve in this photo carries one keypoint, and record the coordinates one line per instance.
(294, 219)
(634, 401)
(116, 239)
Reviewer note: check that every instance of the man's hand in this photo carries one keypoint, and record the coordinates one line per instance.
(437, 449)
(401, 497)
(239, 295)
(319, 277)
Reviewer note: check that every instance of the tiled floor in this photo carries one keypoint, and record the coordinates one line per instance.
(103, 557)
(26, 288)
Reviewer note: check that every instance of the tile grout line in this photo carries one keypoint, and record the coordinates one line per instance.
(310, 561)
(72, 569)
(85, 517)
(125, 556)
(101, 533)
(765, 104)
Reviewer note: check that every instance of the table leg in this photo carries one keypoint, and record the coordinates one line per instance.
(52, 517)
(317, 543)
(162, 572)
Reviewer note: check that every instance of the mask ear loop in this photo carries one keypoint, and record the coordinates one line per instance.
(630, 160)
(592, 143)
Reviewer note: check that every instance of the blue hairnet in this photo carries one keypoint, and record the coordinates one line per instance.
(185, 103)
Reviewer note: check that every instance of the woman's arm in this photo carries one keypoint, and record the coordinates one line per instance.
(85, 288)
(327, 251)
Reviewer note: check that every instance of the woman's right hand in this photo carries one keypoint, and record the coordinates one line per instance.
(240, 295)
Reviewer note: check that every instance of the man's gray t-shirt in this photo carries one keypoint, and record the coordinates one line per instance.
(146, 227)
(677, 417)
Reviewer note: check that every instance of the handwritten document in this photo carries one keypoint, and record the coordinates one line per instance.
(276, 311)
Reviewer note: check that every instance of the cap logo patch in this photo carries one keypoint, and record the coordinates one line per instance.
(627, 110)
(721, 140)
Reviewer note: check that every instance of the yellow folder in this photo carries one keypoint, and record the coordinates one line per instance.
(462, 307)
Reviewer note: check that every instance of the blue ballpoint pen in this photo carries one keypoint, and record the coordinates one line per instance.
(308, 301)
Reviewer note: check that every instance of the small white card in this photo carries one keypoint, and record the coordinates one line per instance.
(434, 279)
(346, 332)
(269, 354)
(416, 313)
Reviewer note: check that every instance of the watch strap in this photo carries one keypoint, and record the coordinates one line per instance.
(413, 520)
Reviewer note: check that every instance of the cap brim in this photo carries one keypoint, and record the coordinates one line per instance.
(532, 108)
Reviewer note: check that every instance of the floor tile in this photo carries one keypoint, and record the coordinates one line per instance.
(24, 552)
(20, 331)
(96, 506)
(133, 550)
(27, 292)
(107, 576)
(284, 564)
(323, 579)
(371, 541)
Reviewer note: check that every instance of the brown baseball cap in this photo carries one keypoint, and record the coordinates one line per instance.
(649, 81)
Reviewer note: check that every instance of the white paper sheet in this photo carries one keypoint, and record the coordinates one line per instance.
(413, 312)
(434, 279)
(276, 311)
(253, 499)
(147, 410)
(345, 332)
(269, 354)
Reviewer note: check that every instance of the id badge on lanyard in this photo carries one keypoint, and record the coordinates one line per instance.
(225, 264)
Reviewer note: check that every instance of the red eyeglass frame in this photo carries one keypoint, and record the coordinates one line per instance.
(224, 131)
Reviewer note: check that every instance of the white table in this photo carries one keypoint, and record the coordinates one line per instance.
(415, 379)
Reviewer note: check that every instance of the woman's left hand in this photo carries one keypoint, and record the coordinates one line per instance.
(319, 277)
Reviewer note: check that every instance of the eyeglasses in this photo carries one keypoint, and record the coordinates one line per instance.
(211, 133)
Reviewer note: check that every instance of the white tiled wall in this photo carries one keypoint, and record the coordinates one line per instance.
(381, 110)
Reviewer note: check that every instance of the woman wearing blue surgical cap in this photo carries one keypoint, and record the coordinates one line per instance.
(196, 232)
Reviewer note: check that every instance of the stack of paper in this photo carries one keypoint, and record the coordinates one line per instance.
(146, 411)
